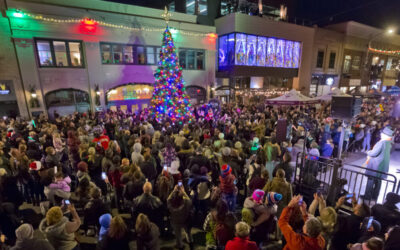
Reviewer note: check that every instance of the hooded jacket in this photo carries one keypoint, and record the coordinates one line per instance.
(137, 157)
(149, 240)
(57, 235)
(104, 221)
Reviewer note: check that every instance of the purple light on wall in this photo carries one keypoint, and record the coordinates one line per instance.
(296, 54)
(251, 50)
(288, 54)
(240, 49)
(261, 49)
(271, 52)
(280, 52)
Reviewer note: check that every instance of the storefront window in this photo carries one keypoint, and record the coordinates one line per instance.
(288, 55)
(200, 60)
(271, 52)
(261, 48)
(60, 52)
(347, 63)
(128, 54)
(251, 50)
(141, 58)
(117, 53)
(240, 49)
(150, 55)
(106, 53)
(280, 48)
(75, 53)
(44, 53)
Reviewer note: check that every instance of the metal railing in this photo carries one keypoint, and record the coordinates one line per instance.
(333, 178)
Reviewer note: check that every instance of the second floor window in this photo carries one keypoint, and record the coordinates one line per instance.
(346, 64)
(332, 59)
(320, 59)
(192, 59)
(112, 53)
(59, 53)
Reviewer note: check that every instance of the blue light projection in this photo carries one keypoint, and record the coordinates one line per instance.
(250, 50)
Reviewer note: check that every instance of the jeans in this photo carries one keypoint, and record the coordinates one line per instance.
(230, 200)
(367, 142)
(178, 234)
(372, 189)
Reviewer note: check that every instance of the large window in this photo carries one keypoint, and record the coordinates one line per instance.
(332, 59)
(191, 59)
(59, 53)
(347, 64)
(112, 53)
(355, 65)
(320, 58)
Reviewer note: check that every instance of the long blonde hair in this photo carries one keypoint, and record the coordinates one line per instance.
(142, 224)
(117, 228)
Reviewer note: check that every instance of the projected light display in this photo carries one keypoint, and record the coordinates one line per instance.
(251, 50)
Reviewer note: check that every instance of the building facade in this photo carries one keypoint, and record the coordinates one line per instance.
(68, 56)
(257, 55)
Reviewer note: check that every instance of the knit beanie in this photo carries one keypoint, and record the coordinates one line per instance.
(24, 232)
(238, 145)
(221, 136)
(225, 170)
(258, 195)
(226, 151)
(274, 198)
(54, 215)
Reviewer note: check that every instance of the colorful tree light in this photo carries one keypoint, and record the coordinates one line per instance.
(169, 101)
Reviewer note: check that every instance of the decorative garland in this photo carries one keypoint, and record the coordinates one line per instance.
(95, 22)
(392, 52)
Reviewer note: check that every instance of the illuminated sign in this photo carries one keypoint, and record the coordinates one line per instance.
(4, 89)
(130, 92)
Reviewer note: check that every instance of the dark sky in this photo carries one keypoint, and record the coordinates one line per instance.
(379, 13)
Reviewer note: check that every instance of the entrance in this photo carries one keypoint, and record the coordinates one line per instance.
(67, 101)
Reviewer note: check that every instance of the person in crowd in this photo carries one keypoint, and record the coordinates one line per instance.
(280, 186)
(94, 209)
(348, 229)
(369, 228)
(373, 243)
(310, 238)
(104, 222)
(59, 231)
(26, 241)
(137, 157)
(117, 237)
(179, 206)
(392, 238)
(387, 213)
(241, 241)
(147, 234)
(228, 186)
(148, 204)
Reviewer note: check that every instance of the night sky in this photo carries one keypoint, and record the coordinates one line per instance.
(378, 13)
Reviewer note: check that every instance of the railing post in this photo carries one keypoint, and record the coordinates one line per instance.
(334, 188)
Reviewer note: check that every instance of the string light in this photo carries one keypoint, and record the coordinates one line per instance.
(110, 25)
(384, 51)
(169, 101)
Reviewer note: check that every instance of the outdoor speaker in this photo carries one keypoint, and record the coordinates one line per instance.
(345, 107)
(281, 130)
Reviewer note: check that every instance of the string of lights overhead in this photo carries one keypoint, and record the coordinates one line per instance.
(94, 22)
(392, 52)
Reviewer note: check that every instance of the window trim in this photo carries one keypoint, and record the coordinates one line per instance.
(195, 59)
(67, 51)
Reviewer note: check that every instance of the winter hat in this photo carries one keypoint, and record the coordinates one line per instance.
(24, 232)
(238, 145)
(203, 170)
(388, 131)
(226, 151)
(174, 167)
(137, 147)
(374, 223)
(217, 144)
(221, 136)
(104, 221)
(54, 215)
(258, 195)
(83, 166)
(274, 198)
(256, 140)
(362, 125)
(35, 165)
(226, 169)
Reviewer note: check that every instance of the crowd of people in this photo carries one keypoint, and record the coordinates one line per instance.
(230, 177)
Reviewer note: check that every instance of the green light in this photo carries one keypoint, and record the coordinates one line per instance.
(18, 14)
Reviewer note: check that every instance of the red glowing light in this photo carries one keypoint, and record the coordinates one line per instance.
(88, 21)
(212, 35)
(88, 26)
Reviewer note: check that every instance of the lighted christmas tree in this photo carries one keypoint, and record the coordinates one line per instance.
(169, 101)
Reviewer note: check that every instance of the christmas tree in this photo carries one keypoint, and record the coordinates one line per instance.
(169, 101)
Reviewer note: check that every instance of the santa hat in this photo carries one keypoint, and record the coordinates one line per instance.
(35, 165)
(258, 195)
(226, 169)
(274, 198)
